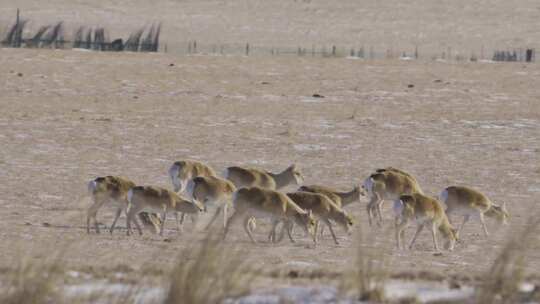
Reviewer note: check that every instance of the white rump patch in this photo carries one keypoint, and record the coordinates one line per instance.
(130, 195)
(92, 186)
(443, 196)
(190, 187)
(398, 207)
(173, 173)
(368, 185)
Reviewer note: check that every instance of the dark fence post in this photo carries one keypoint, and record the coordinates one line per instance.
(529, 55)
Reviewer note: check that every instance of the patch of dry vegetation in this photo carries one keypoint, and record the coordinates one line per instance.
(370, 270)
(33, 282)
(501, 283)
(210, 273)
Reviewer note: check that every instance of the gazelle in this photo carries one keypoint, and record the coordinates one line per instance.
(182, 171)
(424, 210)
(467, 201)
(260, 202)
(212, 191)
(251, 177)
(388, 184)
(160, 200)
(324, 209)
(112, 190)
(341, 199)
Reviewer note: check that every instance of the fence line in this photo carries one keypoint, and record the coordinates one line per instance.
(147, 40)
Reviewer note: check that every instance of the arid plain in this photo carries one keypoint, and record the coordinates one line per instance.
(69, 116)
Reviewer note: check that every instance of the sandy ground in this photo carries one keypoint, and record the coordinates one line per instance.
(69, 116)
(434, 26)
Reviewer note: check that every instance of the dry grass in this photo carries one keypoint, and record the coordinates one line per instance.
(366, 281)
(209, 273)
(33, 282)
(501, 283)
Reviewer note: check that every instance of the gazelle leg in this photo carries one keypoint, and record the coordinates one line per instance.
(163, 218)
(379, 213)
(118, 212)
(482, 220)
(434, 235)
(331, 231)
(418, 230)
(465, 220)
(214, 217)
(247, 229)
(400, 232)
(92, 214)
(236, 215)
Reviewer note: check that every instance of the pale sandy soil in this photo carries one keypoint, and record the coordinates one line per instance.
(71, 116)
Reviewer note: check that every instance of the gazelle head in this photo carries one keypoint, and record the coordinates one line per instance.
(345, 220)
(499, 213)
(296, 173)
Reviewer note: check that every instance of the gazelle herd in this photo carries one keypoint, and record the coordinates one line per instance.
(251, 194)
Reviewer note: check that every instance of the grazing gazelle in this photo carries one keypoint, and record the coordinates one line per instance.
(182, 171)
(424, 210)
(212, 191)
(324, 209)
(160, 200)
(259, 202)
(112, 190)
(250, 177)
(466, 201)
(387, 184)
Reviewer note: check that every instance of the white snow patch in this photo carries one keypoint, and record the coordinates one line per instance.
(309, 147)
(534, 189)
(425, 291)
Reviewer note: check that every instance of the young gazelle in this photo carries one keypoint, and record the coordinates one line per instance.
(388, 184)
(212, 191)
(324, 209)
(182, 171)
(466, 201)
(250, 177)
(112, 190)
(260, 202)
(424, 210)
(158, 200)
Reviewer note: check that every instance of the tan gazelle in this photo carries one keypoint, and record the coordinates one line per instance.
(251, 177)
(212, 191)
(182, 171)
(340, 198)
(324, 210)
(112, 190)
(466, 201)
(264, 203)
(425, 211)
(387, 184)
(156, 199)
